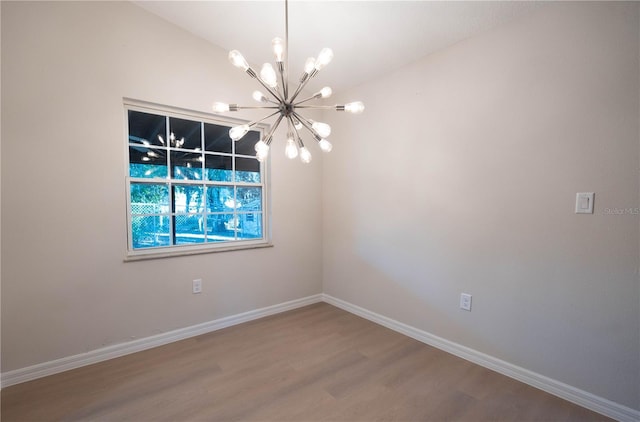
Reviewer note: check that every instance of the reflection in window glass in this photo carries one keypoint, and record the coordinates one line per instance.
(216, 138)
(218, 168)
(186, 133)
(246, 145)
(146, 129)
(247, 170)
(186, 165)
(147, 162)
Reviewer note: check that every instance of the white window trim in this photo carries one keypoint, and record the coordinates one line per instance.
(186, 250)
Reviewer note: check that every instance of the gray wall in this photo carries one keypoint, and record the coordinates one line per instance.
(461, 176)
(65, 287)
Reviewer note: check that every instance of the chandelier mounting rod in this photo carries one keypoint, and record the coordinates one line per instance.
(285, 82)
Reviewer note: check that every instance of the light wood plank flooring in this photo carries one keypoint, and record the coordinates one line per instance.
(316, 363)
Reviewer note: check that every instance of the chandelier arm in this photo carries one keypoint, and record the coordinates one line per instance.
(269, 136)
(305, 100)
(300, 88)
(275, 94)
(307, 126)
(283, 79)
(255, 122)
(303, 83)
(317, 107)
(296, 134)
(257, 107)
(280, 90)
(289, 131)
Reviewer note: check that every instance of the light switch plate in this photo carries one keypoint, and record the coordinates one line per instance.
(465, 301)
(584, 202)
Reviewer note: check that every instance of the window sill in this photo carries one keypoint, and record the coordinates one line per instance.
(173, 254)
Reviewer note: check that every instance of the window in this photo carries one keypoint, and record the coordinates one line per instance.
(190, 188)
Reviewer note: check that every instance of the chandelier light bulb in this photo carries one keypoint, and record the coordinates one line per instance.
(259, 97)
(268, 75)
(278, 48)
(309, 65)
(305, 155)
(220, 107)
(262, 150)
(291, 150)
(262, 155)
(325, 92)
(237, 132)
(322, 129)
(325, 145)
(261, 146)
(238, 60)
(355, 107)
(324, 58)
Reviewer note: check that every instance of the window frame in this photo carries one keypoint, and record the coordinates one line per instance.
(206, 247)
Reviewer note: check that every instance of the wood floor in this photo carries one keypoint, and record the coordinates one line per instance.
(315, 363)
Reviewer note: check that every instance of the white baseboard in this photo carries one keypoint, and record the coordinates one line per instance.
(580, 397)
(71, 362)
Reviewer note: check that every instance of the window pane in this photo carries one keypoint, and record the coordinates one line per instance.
(245, 146)
(189, 229)
(218, 168)
(247, 170)
(187, 130)
(216, 138)
(186, 165)
(147, 162)
(220, 198)
(187, 198)
(144, 128)
(150, 231)
(220, 227)
(250, 226)
(249, 199)
(149, 198)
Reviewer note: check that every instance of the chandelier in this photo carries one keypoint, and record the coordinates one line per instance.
(285, 104)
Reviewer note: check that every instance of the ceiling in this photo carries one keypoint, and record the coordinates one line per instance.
(369, 38)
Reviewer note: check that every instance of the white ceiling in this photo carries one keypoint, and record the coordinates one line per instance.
(369, 38)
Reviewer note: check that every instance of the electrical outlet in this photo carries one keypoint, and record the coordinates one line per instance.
(465, 301)
(197, 285)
